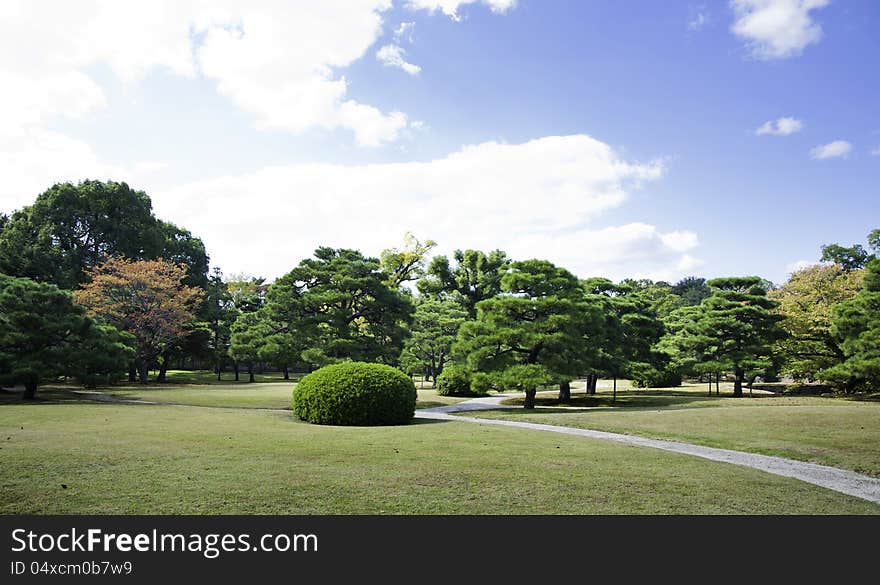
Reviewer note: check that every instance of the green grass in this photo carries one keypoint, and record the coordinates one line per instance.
(831, 431)
(242, 395)
(131, 459)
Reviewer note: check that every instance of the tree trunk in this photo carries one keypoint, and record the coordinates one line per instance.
(737, 383)
(219, 371)
(143, 369)
(235, 366)
(30, 390)
(710, 385)
(565, 392)
(614, 395)
(717, 384)
(163, 369)
(594, 379)
(250, 373)
(286, 373)
(530, 399)
(132, 372)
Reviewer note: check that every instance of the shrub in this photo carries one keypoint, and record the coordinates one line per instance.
(481, 383)
(355, 394)
(653, 378)
(454, 381)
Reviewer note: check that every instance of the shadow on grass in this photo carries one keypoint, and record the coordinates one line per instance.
(44, 396)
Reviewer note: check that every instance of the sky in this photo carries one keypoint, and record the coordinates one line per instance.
(634, 139)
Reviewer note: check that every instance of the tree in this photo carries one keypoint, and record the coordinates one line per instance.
(857, 324)
(531, 335)
(147, 298)
(475, 277)
(691, 290)
(43, 335)
(340, 307)
(248, 337)
(70, 229)
(435, 325)
(854, 257)
(733, 330)
(807, 303)
(407, 264)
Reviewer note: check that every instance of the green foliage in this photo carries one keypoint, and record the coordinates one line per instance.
(72, 228)
(43, 335)
(541, 320)
(857, 323)
(248, 336)
(455, 380)
(340, 307)
(732, 330)
(807, 302)
(668, 377)
(408, 263)
(355, 394)
(691, 290)
(435, 325)
(475, 277)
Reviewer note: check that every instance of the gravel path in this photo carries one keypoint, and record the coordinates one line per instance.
(840, 480)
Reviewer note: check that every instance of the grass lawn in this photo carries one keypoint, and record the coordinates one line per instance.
(180, 460)
(241, 395)
(830, 431)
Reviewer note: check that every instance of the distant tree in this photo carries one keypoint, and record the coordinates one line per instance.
(691, 290)
(146, 298)
(70, 229)
(857, 323)
(43, 335)
(532, 335)
(854, 257)
(340, 307)
(406, 264)
(248, 337)
(475, 277)
(807, 303)
(733, 330)
(435, 325)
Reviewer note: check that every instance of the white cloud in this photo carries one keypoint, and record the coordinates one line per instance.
(450, 7)
(798, 266)
(535, 199)
(278, 60)
(404, 32)
(780, 127)
(700, 17)
(777, 29)
(836, 149)
(394, 56)
(876, 151)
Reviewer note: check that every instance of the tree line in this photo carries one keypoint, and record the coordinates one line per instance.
(93, 285)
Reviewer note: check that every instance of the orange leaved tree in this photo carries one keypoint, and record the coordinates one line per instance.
(147, 298)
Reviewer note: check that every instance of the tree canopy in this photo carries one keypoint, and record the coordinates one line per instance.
(475, 276)
(146, 298)
(43, 335)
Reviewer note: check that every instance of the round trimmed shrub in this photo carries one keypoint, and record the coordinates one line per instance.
(454, 381)
(355, 394)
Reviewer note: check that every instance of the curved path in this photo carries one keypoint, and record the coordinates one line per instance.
(840, 480)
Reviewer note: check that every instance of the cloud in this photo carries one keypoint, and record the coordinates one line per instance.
(780, 127)
(876, 151)
(450, 7)
(534, 199)
(700, 17)
(277, 60)
(836, 149)
(393, 56)
(404, 32)
(776, 29)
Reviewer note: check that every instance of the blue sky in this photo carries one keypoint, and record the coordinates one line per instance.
(615, 138)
